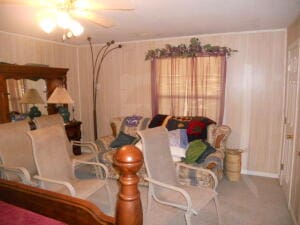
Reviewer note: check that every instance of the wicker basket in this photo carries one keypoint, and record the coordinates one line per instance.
(233, 164)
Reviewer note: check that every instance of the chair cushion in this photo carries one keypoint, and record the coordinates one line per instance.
(122, 139)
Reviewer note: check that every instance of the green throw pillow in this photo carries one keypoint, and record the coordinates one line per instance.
(194, 151)
(122, 139)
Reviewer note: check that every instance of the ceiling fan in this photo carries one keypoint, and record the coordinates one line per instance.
(61, 13)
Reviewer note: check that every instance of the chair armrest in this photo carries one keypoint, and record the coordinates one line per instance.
(115, 124)
(90, 145)
(187, 197)
(180, 164)
(92, 163)
(217, 135)
(64, 183)
(19, 171)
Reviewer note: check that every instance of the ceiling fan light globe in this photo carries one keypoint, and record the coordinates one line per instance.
(64, 37)
(47, 24)
(69, 34)
(82, 4)
(63, 20)
(76, 28)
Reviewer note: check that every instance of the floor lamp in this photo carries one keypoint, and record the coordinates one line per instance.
(97, 61)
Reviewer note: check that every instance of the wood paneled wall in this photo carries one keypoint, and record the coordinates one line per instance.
(254, 92)
(293, 31)
(21, 50)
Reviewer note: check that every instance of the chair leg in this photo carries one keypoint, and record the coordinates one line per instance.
(109, 198)
(98, 169)
(149, 205)
(218, 210)
(188, 216)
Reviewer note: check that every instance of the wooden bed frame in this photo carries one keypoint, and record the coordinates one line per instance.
(76, 211)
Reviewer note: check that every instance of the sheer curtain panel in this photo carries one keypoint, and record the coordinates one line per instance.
(191, 86)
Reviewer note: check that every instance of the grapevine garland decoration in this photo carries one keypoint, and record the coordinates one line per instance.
(194, 49)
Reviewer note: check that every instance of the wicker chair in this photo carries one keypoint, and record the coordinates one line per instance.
(49, 146)
(217, 136)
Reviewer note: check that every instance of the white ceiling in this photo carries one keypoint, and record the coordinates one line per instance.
(164, 18)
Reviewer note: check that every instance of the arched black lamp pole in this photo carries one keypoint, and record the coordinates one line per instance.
(96, 65)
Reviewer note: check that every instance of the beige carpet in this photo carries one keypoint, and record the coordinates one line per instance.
(250, 201)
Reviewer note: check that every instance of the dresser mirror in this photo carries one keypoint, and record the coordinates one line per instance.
(16, 90)
(16, 79)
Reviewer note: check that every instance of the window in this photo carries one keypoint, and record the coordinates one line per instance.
(192, 86)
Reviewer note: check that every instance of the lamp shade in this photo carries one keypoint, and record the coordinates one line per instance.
(32, 96)
(60, 96)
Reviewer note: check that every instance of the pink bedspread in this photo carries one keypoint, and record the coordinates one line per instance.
(13, 215)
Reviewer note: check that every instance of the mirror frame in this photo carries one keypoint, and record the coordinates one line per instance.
(53, 77)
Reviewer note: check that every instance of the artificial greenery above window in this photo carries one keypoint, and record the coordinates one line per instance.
(194, 49)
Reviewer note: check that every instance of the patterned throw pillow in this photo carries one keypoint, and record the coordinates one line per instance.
(194, 151)
(122, 139)
(133, 121)
(131, 124)
(195, 129)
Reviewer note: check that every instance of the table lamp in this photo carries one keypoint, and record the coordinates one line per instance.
(61, 96)
(32, 96)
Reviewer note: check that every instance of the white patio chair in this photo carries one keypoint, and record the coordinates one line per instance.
(16, 157)
(163, 185)
(91, 150)
(56, 170)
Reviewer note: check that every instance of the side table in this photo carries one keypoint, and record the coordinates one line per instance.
(73, 131)
(233, 164)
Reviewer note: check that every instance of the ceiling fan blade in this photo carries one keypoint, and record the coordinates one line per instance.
(15, 2)
(94, 18)
(32, 3)
(111, 5)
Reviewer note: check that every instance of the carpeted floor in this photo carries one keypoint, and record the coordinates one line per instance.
(250, 201)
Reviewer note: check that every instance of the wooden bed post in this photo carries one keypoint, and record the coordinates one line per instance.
(129, 160)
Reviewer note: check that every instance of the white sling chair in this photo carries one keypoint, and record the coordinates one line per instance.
(16, 158)
(90, 152)
(56, 168)
(163, 185)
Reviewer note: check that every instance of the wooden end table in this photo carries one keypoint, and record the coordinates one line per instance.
(73, 131)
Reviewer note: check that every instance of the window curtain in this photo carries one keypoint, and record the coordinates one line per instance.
(16, 88)
(191, 86)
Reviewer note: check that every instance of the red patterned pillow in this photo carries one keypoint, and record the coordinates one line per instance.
(195, 130)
